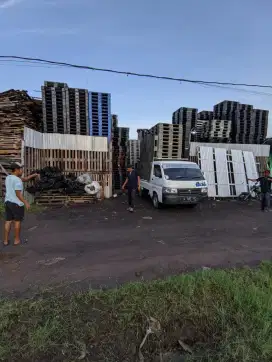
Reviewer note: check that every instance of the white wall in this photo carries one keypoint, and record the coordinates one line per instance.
(57, 141)
(257, 150)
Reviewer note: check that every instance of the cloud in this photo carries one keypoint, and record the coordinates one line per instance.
(5, 4)
(42, 31)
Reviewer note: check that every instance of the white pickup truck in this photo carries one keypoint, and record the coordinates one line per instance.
(174, 182)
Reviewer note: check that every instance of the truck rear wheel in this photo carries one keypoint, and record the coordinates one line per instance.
(155, 201)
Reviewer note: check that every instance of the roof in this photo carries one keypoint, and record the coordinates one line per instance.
(174, 162)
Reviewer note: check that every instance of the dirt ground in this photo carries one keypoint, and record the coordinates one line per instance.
(103, 245)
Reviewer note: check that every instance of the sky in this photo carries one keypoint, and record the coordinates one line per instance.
(213, 40)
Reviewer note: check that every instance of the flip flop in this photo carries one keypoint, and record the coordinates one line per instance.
(5, 245)
(20, 243)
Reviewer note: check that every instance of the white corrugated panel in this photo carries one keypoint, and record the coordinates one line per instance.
(33, 138)
(222, 172)
(56, 141)
(258, 150)
(250, 164)
(206, 158)
(239, 171)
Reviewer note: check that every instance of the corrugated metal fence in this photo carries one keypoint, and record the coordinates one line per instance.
(257, 150)
(56, 141)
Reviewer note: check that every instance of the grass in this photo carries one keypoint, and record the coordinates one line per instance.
(223, 316)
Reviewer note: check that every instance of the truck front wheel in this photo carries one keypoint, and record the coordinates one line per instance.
(192, 206)
(155, 201)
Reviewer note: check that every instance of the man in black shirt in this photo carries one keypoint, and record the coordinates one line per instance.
(265, 184)
(133, 183)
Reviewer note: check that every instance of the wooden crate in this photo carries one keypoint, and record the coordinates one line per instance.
(68, 160)
(85, 199)
(51, 200)
(48, 199)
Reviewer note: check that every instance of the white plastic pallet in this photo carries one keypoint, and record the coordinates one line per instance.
(219, 171)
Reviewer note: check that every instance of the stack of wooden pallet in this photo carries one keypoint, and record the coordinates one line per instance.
(162, 141)
(119, 155)
(17, 110)
(133, 152)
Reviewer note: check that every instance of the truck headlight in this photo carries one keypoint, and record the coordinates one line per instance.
(168, 190)
(204, 190)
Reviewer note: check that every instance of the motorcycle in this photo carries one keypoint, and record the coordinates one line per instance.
(254, 193)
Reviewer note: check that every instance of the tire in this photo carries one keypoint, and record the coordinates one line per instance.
(257, 197)
(244, 196)
(155, 201)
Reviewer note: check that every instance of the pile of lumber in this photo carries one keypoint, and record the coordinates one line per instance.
(17, 109)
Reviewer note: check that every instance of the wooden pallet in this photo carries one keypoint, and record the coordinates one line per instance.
(55, 200)
(85, 199)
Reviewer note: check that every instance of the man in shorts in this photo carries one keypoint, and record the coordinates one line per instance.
(15, 202)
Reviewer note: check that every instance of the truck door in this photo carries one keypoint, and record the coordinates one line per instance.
(157, 181)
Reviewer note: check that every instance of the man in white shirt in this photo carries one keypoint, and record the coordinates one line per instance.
(15, 202)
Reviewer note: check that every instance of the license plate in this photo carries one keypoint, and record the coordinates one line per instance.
(189, 198)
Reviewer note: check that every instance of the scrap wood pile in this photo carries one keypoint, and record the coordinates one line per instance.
(52, 178)
(17, 109)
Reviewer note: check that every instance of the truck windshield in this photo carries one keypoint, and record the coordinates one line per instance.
(183, 174)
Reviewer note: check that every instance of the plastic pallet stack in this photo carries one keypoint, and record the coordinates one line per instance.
(54, 107)
(120, 136)
(226, 110)
(205, 115)
(100, 118)
(219, 131)
(202, 131)
(141, 133)
(133, 152)
(202, 125)
(114, 121)
(187, 117)
(260, 119)
(77, 107)
(249, 125)
(65, 110)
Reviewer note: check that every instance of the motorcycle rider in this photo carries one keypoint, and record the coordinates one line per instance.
(265, 185)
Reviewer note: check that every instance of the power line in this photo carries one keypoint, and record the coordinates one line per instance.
(31, 63)
(237, 89)
(27, 65)
(44, 61)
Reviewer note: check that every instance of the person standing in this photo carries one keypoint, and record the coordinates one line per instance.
(265, 184)
(133, 184)
(15, 202)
